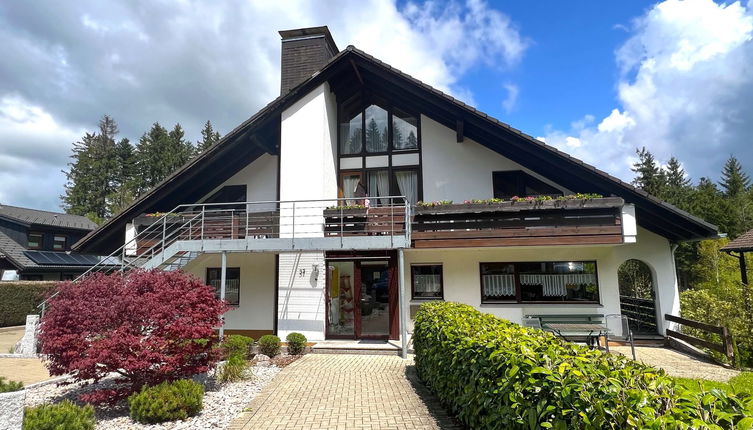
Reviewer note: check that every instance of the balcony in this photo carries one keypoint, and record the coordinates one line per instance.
(591, 221)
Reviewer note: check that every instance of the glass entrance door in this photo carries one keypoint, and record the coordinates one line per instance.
(341, 304)
(375, 299)
(359, 299)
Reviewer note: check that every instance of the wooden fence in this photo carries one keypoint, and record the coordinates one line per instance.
(725, 346)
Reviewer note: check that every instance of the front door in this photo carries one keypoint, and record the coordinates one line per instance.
(361, 299)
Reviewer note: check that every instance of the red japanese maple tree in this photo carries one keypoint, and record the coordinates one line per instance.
(145, 326)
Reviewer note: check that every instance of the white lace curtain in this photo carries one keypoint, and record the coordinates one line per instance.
(427, 283)
(407, 181)
(556, 284)
(499, 285)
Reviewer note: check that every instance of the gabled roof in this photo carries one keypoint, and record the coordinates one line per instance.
(743, 243)
(15, 254)
(352, 68)
(29, 216)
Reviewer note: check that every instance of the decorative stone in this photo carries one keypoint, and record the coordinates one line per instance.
(261, 357)
(12, 409)
(28, 344)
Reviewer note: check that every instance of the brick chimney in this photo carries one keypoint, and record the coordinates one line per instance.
(304, 52)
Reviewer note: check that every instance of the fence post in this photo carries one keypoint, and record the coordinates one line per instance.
(729, 349)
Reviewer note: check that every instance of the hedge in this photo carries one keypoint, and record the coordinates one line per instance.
(494, 374)
(21, 298)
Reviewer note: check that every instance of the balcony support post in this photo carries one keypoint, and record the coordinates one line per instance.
(402, 305)
(223, 279)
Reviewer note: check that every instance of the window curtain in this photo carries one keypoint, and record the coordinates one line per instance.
(407, 181)
(427, 283)
(499, 285)
(556, 284)
(349, 188)
(379, 185)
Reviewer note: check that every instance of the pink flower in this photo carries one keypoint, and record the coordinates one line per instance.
(529, 198)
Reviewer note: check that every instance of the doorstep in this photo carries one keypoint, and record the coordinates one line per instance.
(370, 347)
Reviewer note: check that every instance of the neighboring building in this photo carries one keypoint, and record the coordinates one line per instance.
(37, 244)
(265, 201)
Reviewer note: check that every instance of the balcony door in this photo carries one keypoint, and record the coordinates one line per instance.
(361, 298)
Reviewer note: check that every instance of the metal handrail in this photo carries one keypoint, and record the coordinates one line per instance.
(219, 211)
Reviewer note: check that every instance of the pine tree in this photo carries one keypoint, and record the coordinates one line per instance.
(90, 178)
(678, 185)
(208, 138)
(373, 137)
(651, 178)
(158, 154)
(734, 180)
(123, 194)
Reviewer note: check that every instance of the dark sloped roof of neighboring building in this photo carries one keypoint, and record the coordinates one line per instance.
(743, 243)
(53, 219)
(16, 255)
(655, 214)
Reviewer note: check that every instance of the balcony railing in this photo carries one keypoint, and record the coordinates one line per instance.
(550, 222)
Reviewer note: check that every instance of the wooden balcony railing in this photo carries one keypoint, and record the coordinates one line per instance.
(550, 222)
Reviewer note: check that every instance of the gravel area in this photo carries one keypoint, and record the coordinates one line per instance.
(222, 402)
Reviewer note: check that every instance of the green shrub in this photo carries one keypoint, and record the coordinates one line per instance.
(233, 370)
(296, 343)
(8, 386)
(62, 416)
(495, 374)
(21, 298)
(269, 345)
(168, 401)
(237, 345)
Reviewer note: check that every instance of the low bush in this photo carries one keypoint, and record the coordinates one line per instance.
(233, 370)
(21, 298)
(62, 416)
(237, 345)
(8, 386)
(296, 343)
(269, 345)
(168, 401)
(494, 374)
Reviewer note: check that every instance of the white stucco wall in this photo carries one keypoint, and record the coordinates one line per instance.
(301, 294)
(460, 171)
(260, 179)
(256, 310)
(462, 280)
(308, 171)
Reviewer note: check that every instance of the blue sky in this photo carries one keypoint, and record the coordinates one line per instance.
(569, 68)
(595, 79)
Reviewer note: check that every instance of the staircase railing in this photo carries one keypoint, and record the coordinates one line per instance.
(388, 217)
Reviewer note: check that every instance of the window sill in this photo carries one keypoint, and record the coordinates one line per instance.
(416, 301)
(540, 304)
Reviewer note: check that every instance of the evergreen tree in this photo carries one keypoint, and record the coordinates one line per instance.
(158, 154)
(208, 138)
(678, 186)
(734, 180)
(650, 176)
(373, 137)
(123, 174)
(90, 178)
(412, 140)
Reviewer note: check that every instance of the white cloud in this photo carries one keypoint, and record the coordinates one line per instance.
(685, 89)
(187, 62)
(512, 97)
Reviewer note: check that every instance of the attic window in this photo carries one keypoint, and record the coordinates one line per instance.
(518, 183)
(377, 128)
(35, 240)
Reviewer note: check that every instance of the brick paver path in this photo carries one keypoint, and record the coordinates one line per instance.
(343, 391)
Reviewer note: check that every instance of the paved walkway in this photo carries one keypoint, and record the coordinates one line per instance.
(678, 364)
(26, 370)
(9, 336)
(339, 391)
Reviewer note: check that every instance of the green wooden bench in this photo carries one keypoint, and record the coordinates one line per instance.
(572, 326)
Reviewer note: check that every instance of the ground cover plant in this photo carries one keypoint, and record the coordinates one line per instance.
(61, 416)
(168, 401)
(145, 326)
(8, 386)
(494, 374)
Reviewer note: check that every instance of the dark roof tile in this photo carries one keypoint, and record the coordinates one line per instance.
(743, 243)
(39, 217)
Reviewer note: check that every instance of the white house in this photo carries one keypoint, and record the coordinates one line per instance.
(276, 211)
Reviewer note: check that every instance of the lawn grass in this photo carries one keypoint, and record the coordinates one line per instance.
(742, 383)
